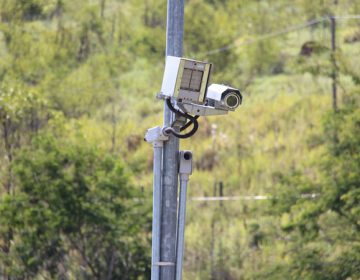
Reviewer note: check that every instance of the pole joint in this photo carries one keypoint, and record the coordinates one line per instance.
(164, 264)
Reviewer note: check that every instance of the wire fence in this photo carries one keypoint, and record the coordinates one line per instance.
(246, 197)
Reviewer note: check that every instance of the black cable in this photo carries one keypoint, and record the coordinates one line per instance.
(192, 120)
(183, 136)
(188, 124)
(175, 111)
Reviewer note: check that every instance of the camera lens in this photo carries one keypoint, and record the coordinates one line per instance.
(232, 100)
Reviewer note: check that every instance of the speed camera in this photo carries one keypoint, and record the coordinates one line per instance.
(186, 81)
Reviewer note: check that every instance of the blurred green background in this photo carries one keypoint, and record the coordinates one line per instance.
(78, 81)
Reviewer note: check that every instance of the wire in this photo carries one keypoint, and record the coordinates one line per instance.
(192, 120)
(183, 136)
(176, 111)
(266, 36)
(277, 33)
(188, 124)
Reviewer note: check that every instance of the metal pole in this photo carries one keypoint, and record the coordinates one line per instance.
(334, 72)
(174, 40)
(184, 178)
(155, 259)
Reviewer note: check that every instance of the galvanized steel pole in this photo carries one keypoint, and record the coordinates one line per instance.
(174, 47)
(158, 145)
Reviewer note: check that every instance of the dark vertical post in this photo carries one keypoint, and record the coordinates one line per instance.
(333, 58)
(221, 192)
(174, 41)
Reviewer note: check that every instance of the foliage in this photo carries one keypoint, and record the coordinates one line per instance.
(327, 227)
(77, 87)
(73, 206)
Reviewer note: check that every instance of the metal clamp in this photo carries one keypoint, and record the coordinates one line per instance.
(164, 264)
(156, 136)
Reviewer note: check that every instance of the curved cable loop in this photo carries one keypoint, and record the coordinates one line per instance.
(188, 124)
(171, 130)
(192, 120)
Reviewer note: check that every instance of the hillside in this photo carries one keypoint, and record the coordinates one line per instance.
(77, 93)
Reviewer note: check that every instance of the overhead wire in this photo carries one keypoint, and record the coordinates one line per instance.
(275, 34)
(265, 36)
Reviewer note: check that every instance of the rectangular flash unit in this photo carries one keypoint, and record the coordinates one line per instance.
(186, 79)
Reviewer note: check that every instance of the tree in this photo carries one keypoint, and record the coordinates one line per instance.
(325, 230)
(75, 213)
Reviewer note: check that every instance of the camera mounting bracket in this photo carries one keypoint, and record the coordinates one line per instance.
(200, 110)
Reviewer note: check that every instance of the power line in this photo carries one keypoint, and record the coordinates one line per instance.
(276, 34)
(266, 36)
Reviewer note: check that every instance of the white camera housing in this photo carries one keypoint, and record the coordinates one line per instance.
(186, 82)
(223, 97)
